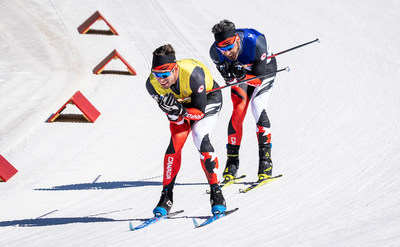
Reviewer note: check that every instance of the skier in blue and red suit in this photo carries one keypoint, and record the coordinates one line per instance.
(169, 81)
(242, 54)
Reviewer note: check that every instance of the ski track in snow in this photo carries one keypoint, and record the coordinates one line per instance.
(335, 122)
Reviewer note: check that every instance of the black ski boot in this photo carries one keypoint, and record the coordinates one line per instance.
(232, 163)
(217, 200)
(165, 203)
(265, 162)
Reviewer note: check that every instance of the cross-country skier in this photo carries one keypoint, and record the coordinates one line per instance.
(242, 54)
(170, 80)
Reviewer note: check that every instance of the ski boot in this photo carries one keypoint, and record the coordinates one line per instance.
(265, 162)
(232, 163)
(218, 204)
(165, 204)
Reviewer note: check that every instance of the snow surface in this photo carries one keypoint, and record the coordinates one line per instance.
(335, 120)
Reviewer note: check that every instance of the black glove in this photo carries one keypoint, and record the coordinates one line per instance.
(225, 71)
(170, 105)
(238, 70)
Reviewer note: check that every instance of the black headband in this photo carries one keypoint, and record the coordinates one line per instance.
(160, 60)
(224, 35)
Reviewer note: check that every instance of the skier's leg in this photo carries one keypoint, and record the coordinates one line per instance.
(200, 132)
(172, 158)
(172, 164)
(208, 158)
(240, 99)
(259, 102)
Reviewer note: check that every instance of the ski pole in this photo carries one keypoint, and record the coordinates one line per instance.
(293, 48)
(242, 81)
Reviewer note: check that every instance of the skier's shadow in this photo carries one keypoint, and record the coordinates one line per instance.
(55, 221)
(110, 185)
(72, 220)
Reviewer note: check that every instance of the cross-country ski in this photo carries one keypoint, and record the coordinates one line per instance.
(213, 218)
(259, 183)
(153, 220)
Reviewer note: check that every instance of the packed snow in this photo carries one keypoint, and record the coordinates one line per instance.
(335, 119)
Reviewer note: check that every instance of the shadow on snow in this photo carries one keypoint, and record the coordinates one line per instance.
(110, 185)
(72, 220)
(54, 221)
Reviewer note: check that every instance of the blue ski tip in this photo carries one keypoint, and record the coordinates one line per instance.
(195, 222)
(131, 226)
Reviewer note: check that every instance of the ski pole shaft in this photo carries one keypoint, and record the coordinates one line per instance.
(243, 81)
(250, 79)
(293, 48)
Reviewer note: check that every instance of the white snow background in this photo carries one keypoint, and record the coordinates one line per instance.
(335, 118)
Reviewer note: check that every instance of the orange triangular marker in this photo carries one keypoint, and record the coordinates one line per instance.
(88, 110)
(85, 27)
(6, 170)
(113, 55)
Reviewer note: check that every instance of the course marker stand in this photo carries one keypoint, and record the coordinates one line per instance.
(113, 55)
(85, 27)
(88, 110)
(6, 169)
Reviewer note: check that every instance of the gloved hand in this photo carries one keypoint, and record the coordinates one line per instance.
(238, 70)
(171, 106)
(224, 69)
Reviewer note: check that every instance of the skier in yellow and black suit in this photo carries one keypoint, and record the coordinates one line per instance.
(169, 81)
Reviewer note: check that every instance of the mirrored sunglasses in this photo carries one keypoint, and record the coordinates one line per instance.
(226, 48)
(162, 74)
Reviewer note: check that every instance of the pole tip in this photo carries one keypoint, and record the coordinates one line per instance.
(287, 69)
(318, 40)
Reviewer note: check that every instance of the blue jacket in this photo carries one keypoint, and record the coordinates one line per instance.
(247, 54)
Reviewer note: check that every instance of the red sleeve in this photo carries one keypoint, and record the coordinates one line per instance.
(193, 114)
(255, 82)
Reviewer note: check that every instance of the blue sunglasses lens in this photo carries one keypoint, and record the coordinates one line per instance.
(227, 48)
(162, 74)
